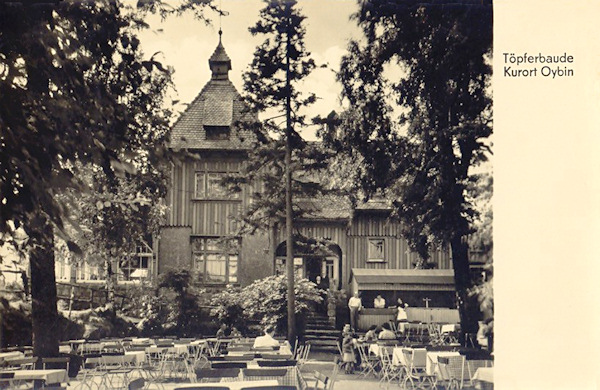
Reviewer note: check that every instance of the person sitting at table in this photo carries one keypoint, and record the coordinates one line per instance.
(267, 339)
(371, 334)
(221, 332)
(386, 333)
(235, 333)
(379, 302)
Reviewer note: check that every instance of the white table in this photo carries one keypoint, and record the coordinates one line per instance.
(49, 376)
(232, 385)
(11, 355)
(131, 358)
(432, 356)
(179, 349)
(484, 374)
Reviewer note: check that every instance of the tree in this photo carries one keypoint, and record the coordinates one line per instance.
(423, 156)
(74, 93)
(280, 63)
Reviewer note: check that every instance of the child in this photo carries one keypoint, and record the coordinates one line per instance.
(348, 353)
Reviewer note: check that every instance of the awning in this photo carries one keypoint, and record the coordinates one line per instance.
(364, 279)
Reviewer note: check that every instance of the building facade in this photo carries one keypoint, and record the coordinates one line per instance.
(200, 232)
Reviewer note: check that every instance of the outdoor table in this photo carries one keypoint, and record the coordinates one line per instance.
(449, 328)
(48, 376)
(140, 341)
(432, 356)
(484, 374)
(132, 358)
(238, 385)
(11, 355)
(178, 349)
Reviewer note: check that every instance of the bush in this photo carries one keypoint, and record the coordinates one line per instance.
(174, 307)
(264, 303)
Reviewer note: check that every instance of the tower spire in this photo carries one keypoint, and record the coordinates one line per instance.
(219, 61)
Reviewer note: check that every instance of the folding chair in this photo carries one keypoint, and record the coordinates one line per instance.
(389, 371)
(89, 375)
(451, 370)
(324, 382)
(368, 364)
(302, 355)
(416, 360)
(27, 363)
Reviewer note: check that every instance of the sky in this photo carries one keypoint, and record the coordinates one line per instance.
(186, 44)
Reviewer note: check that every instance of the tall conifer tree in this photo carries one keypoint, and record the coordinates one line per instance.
(280, 63)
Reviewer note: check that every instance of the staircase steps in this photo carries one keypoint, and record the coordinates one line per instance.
(321, 334)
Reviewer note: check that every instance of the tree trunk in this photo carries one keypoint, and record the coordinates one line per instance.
(44, 315)
(467, 306)
(289, 255)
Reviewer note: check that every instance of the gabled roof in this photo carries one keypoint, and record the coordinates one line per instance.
(217, 104)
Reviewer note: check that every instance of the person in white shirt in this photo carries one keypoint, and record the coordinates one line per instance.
(266, 340)
(379, 302)
(355, 305)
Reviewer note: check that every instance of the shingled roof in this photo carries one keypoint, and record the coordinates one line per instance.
(217, 104)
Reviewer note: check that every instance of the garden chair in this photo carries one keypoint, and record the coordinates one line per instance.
(177, 365)
(416, 360)
(27, 363)
(89, 375)
(368, 364)
(389, 371)
(451, 372)
(116, 369)
(302, 355)
(324, 382)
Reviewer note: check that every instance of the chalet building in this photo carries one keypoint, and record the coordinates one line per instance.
(200, 232)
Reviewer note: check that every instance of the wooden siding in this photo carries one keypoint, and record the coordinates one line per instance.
(206, 217)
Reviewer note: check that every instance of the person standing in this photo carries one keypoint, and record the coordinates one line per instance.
(355, 306)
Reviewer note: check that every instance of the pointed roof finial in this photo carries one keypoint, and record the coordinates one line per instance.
(219, 62)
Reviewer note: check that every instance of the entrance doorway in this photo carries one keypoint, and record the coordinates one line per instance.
(325, 263)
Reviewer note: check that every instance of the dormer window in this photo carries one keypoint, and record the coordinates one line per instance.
(217, 133)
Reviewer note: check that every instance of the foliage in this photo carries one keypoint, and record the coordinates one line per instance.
(174, 306)
(76, 94)
(481, 191)
(419, 134)
(266, 91)
(263, 302)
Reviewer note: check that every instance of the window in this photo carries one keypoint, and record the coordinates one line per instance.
(216, 133)
(90, 273)
(376, 249)
(136, 267)
(280, 268)
(63, 269)
(208, 186)
(216, 260)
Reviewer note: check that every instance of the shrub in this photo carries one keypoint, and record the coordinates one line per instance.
(264, 302)
(174, 308)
